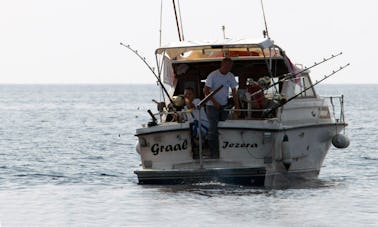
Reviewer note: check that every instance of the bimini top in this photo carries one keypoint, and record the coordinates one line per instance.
(175, 49)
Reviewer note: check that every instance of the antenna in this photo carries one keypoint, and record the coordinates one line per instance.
(161, 21)
(265, 32)
(182, 29)
(177, 21)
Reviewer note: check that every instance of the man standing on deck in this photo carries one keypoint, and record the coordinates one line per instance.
(215, 106)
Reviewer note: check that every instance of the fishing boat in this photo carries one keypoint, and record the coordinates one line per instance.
(279, 138)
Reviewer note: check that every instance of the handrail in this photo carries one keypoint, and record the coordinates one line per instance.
(336, 109)
(341, 114)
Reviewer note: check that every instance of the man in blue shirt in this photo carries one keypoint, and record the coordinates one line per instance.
(215, 106)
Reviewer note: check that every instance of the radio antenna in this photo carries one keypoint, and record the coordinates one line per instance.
(161, 21)
(182, 28)
(177, 21)
(265, 32)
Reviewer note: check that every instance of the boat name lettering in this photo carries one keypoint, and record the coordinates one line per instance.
(158, 148)
(227, 144)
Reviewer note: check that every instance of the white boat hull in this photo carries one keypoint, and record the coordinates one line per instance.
(252, 153)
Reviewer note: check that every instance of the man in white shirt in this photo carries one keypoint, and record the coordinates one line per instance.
(215, 106)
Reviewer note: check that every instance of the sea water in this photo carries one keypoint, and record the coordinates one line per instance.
(67, 156)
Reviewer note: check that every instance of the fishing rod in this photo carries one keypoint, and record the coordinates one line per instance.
(151, 69)
(316, 83)
(291, 76)
(209, 96)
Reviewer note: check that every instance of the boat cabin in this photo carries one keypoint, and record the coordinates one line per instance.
(256, 63)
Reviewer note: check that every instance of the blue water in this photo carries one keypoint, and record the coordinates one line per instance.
(67, 155)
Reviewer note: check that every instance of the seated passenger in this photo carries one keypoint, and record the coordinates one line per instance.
(257, 94)
(194, 115)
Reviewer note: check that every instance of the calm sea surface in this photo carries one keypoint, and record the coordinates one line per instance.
(67, 156)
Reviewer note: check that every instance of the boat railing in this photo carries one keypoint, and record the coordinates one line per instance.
(336, 102)
(250, 114)
(179, 116)
(258, 109)
(182, 116)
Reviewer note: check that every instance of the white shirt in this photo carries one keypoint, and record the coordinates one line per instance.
(216, 79)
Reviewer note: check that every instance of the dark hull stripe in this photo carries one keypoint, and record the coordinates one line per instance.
(242, 176)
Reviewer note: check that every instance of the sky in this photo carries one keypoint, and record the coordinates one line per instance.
(78, 41)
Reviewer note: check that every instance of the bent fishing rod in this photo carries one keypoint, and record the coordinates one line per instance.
(316, 83)
(291, 76)
(151, 69)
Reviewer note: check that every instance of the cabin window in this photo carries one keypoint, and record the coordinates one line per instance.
(303, 87)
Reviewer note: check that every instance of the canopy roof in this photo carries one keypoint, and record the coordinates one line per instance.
(177, 48)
